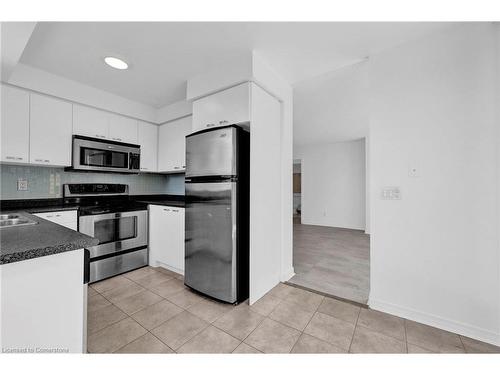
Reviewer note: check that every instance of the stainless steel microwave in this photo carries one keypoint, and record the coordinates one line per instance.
(93, 154)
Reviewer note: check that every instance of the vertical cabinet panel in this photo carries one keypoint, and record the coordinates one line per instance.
(172, 145)
(226, 107)
(122, 129)
(90, 122)
(166, 237)
(265, 193)
(50, 131)
(15, 125)
(147, 138)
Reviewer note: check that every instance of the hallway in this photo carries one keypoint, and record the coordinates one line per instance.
(334, 261)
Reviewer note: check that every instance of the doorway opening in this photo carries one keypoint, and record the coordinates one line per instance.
(297, 191)
(331, 249)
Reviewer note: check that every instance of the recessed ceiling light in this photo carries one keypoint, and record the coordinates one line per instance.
(116, 63)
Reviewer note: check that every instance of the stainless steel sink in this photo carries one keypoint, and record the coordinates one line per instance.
(15, 220)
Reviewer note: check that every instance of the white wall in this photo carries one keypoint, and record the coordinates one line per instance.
(265, 193)
(333, 184)
(41, 81)
(267, 78)
(435, 252)
(174, 111)
(332, 107)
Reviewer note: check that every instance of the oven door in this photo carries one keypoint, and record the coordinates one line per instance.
(96, 155)
(116, 231)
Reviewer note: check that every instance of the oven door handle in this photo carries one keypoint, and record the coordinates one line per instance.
(117, 215)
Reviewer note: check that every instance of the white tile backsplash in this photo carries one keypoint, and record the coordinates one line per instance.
(46, 182)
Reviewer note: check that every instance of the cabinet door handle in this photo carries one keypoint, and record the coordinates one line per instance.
(166, 209)
(116, 139)
(39, 160)
(58, 215)
(183, 166)
(177, 167)
(10, 157)
(144, 168)
(223, 122)
(210, 125)
(175, 210)
(47, 161)
(19, 158)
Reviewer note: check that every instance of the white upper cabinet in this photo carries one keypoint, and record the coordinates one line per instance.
(15, 125)
(147, 138)
(122, 129)
(90, 122)
(50, 131)
(172, 145)
(100, 124)
(226, 107)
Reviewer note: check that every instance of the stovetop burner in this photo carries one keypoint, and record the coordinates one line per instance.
(97, 199)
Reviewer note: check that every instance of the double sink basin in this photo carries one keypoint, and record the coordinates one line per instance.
(15, 220)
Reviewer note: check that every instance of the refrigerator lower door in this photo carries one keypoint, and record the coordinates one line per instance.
(210, 257)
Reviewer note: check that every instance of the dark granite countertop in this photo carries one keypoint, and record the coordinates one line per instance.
(57, 204)
(42, 239)
(164, 202)
(47, 238)
(161, 199)
(36, 205)
(54, 208)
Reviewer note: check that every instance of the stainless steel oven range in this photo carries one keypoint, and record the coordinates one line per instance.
(120, 225)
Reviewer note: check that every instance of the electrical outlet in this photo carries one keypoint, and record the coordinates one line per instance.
(413, 171)
(391, 193)
(22, 184)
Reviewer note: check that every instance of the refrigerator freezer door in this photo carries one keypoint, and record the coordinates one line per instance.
(210, 264)
(212, 153)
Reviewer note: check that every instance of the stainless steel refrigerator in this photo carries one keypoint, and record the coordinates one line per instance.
(218, 213)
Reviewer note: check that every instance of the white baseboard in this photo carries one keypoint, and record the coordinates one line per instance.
(287, 275)
(463, 329)
(163, 265)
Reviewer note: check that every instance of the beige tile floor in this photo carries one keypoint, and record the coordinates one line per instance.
(151, 311)
(335, 261)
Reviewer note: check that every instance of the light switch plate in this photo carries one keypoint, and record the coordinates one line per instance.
(22, 184)
(391, 193)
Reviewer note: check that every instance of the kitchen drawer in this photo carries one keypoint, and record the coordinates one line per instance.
(60, 217)
(114, 265)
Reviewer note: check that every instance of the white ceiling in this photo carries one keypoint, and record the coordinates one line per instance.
(162, 56)
(332, 107)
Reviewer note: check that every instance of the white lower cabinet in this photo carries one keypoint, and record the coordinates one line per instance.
(166, 237)
(43, 304)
